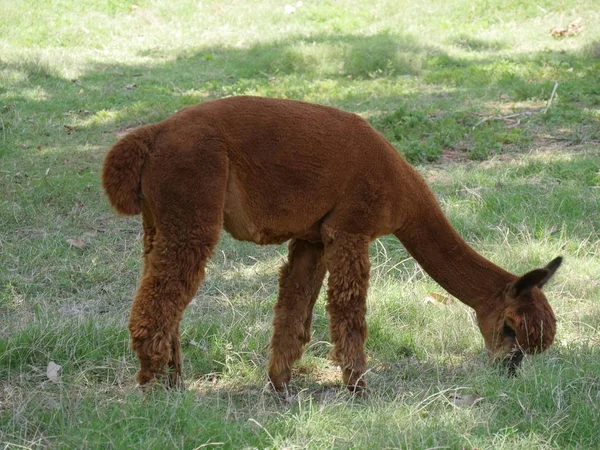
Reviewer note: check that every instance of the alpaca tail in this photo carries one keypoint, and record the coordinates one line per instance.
(122, 171)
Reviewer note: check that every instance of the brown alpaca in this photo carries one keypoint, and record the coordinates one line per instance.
(269, 171)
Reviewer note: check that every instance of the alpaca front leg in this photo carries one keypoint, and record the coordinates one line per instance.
(348, 335)
(300, 281)
(347, 260)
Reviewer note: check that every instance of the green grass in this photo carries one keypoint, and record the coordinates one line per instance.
(460, 87)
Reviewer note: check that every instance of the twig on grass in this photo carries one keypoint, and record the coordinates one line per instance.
(508, 117)
(3, 129)
(523, 114)
(551, 98)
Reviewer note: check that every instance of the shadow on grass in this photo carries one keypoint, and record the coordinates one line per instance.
(341, 70)
(424, 100)
(474, 44)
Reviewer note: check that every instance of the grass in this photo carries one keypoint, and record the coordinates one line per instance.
(459, 87)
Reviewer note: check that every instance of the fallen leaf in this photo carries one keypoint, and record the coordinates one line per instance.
(430, 301)
(442, 298)
(558, 32)
(436, 299)
(76, 207)
(121, 133)
(573, 29)
(201, 345)
(460, 400)
(76, 242)
(53, 371)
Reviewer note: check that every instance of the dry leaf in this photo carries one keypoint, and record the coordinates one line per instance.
(558, 32)
(436, 299)
(442, 298)
(53, 371)
(430, 301)
(76, 242)
(201, 345)
(573, 29)
(460, 400)
(121, 133)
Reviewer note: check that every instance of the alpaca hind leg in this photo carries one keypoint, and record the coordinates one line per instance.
(300, 281)
(184, 197)
(174, 271)
(347, 259)
(175, 362)
(309, 311)
(149, 232)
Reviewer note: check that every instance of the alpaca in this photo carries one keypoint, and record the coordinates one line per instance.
(271, 171)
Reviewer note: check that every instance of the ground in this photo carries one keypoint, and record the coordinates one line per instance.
(464, 89)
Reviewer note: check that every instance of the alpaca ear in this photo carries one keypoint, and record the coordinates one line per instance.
(551, 268)
(535, 278)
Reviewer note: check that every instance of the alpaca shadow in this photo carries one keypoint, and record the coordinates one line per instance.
(323, 382)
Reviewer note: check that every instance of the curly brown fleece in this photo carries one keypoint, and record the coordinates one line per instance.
(269, 171)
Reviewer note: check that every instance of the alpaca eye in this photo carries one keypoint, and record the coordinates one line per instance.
(508, 331)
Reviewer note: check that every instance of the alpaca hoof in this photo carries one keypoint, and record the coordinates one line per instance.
(355, 384)
(281, 387)
(359, 389)
(147, 387)
(175, 382)
(144, 379)
(280, 381)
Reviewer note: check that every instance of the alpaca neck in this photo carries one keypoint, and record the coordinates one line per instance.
(444, 255)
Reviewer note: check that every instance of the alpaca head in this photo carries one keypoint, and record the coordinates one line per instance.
(522, 320)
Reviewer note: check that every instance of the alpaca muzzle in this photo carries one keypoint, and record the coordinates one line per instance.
(512, 362)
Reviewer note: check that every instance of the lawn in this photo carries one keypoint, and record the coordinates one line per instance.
(500, 116)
